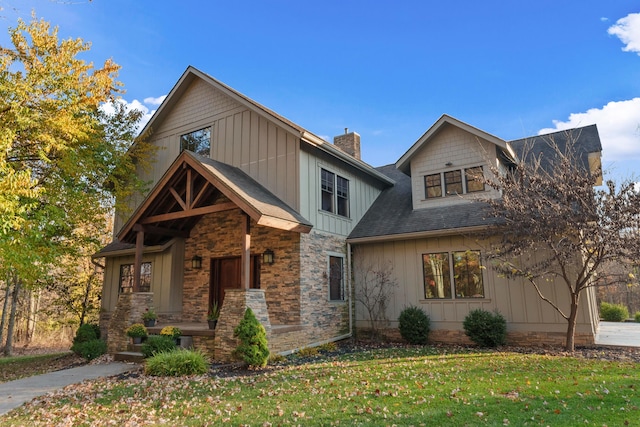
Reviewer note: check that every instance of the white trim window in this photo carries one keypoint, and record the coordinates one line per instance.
(453, 182)
(334, 193)
(336, 278)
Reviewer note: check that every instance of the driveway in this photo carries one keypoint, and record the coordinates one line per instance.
(620, 334)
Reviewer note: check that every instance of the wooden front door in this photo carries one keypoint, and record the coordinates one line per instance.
(225, 274)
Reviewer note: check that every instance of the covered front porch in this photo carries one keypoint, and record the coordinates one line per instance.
(218, 214)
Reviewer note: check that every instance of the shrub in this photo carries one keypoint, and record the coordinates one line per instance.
(485, 328)
(308, 352)
(171, 332)
(137, 330)
(176, 363)
(157, 344)
(328, 347)
(613, 312)
(414, 325)
(253, 341)
(90, 349)
(87, 332)
(637, 316)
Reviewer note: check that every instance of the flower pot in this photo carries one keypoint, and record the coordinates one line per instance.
(212, 323)
(149, 323)
(137, 340)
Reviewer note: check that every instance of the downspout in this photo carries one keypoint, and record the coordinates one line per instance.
(349, 279)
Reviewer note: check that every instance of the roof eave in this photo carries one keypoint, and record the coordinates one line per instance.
(418, 235)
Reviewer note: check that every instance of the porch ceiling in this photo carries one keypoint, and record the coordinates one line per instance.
(194, 186)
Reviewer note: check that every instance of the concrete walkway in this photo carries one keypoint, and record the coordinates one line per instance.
(619, 334)
(15, 393)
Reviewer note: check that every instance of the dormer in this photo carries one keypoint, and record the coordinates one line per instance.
(446, 163)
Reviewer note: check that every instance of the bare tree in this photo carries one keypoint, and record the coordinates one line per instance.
(375, 284)
(556, 227)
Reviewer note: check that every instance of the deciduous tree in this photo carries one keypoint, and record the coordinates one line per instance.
(556, 227)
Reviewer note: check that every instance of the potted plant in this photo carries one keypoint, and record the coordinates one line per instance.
(137, 332)
(213, 315)
(172, 332)
(149, 317)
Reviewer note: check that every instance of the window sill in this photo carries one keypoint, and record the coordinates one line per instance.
(346, 218)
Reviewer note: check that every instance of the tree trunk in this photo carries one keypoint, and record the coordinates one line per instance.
(571, 326)
(87, 292)
(32, 314)
(5, 305)
(8, 348)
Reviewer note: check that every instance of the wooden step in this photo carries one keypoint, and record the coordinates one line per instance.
(128, 356)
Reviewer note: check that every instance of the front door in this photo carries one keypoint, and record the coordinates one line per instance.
(225, 274)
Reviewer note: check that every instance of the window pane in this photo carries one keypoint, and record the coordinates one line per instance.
(437, 282)
(453, 182)
(127, 276)
(342, 187)
(327, 179)
(432, 186)
(474, 179)
(467, 274)
(198, 141)
(336, 278)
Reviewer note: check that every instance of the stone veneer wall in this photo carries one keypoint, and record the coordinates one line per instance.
(220, 235)
(235, 304)
(128, 311)
(326, 319)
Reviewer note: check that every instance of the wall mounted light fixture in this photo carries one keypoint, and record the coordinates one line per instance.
(448, 164)
(267, 257)
(196, 262)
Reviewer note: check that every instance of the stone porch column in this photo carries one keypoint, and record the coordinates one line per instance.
(235, 304)
(128, 311)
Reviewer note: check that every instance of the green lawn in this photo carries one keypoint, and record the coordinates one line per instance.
(16, 367)
(402, 387)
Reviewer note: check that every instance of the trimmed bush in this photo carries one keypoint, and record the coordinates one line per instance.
(87, 332)
(157, 344)
(637, 316)
(253, 347)
(485, 328)
(414, 325)
(177, 362)
(613, 312)
(90, 349)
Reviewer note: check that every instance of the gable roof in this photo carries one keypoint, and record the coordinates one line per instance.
(194, 186)
(404, 163)
(305, 136)
(392, 215)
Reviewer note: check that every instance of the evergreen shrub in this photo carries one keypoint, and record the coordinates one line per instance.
(485, 328)
(613, 312)
(414, 325)
(90, 349)
(157, 344)
(253, 347)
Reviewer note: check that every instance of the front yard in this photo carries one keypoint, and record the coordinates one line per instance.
(393, 386)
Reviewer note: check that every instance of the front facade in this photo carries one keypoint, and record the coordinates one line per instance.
(247, 209)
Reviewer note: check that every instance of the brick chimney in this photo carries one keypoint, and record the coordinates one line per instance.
(349, 143)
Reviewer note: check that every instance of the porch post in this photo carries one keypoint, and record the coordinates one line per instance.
(137, 263)
(245, 257)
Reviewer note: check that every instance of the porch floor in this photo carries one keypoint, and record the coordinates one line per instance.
(193, 329)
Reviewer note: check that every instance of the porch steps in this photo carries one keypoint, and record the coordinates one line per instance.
(133, 354)
(128, 356)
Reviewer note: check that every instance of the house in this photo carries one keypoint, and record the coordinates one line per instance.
(428, 223)
(247, 209)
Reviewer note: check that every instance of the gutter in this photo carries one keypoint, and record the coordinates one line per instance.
(417, 235)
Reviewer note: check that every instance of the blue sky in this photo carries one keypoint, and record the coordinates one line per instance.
(387, 70)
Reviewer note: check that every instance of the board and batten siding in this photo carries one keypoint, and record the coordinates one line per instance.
(361, 195)
(517, 301)
(239, 137)
(166, 279)
(461, 149)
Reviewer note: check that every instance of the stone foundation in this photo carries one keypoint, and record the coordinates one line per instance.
(235, 304)
(128, 311)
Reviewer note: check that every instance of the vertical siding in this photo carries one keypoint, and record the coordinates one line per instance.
(517, 301)
(361, 195)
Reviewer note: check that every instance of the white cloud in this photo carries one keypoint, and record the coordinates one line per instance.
(627, 29)
(154, 101)
(136, 105)
(618, 125)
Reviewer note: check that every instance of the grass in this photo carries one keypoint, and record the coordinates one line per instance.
(404, 387)
(16, 367)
